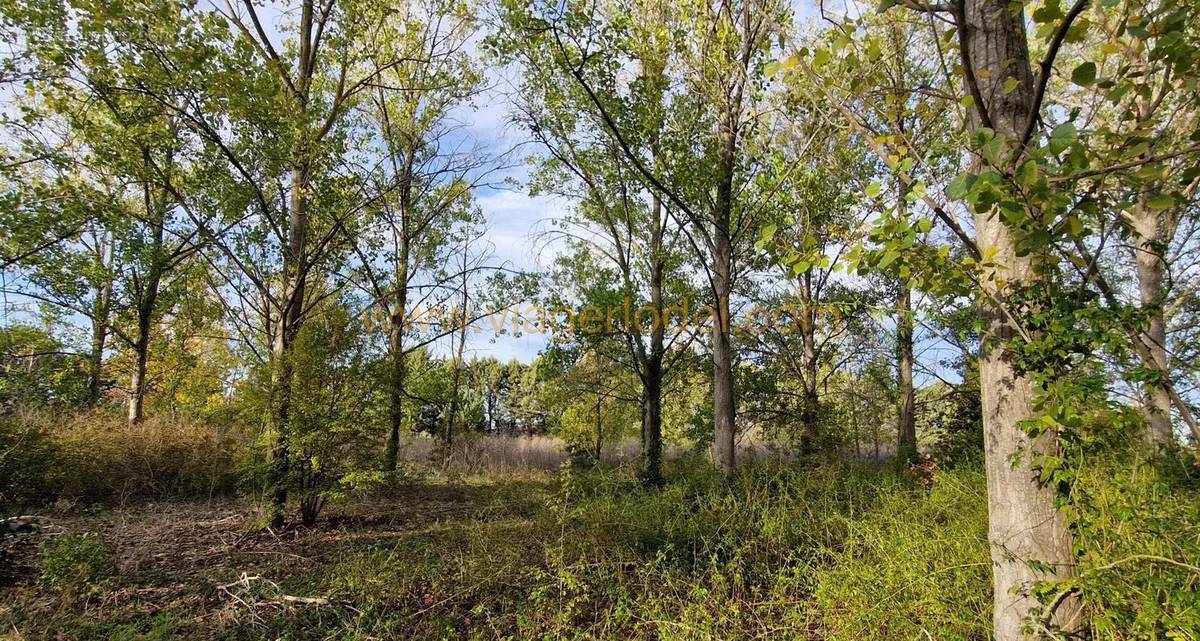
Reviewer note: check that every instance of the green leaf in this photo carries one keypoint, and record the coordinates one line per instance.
(873, 189)
(1084, 74)
(768, 232)
(1010, 85)
(960, 186)
(1027, 174)
(1161, 201)
(888, 258)
(1062, 137)
(1048, 12)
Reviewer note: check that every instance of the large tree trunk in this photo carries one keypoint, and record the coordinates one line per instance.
(1151, 267)
(1029, 538)
(722, 352)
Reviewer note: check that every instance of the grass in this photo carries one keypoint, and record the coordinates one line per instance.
(580, 555)
(835, 551)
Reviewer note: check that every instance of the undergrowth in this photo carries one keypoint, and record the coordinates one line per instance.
(785, 551)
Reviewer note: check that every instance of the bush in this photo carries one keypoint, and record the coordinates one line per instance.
(77, 562)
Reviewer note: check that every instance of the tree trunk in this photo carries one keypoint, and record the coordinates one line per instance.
(290, 319)
(141, 345)
(906, 441)
(724, 408)
(395, 388)
(722, 352)
(399, 311)
(810, 399)
(652, 446)
(281, 398)
(137, 380)
(1150, 270)
(147, 299)
(652, 377)
(1026, 530)
(906, 438)
(396, 372)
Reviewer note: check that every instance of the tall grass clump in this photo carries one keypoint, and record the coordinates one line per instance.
(98, 457)
(1137, 525)
(915, 566)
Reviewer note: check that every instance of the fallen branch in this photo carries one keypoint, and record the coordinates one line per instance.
(306, 600)
(237, 590)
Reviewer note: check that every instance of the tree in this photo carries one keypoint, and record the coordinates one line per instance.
(129, 137)
(814, 220)
(426, 77)
(623, 241)
(275, 127)
(1145, 100)
(1034, 195)
(713, 84)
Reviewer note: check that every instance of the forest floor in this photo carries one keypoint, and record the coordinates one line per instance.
(567, 556)
(207, 570)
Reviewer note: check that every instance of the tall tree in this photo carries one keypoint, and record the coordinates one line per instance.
(622, 241)
(274, 119)
(427, 78)
(712, 88)
(129, 137)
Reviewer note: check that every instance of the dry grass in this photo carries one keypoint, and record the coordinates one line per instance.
(504, 455)
(97, 457)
